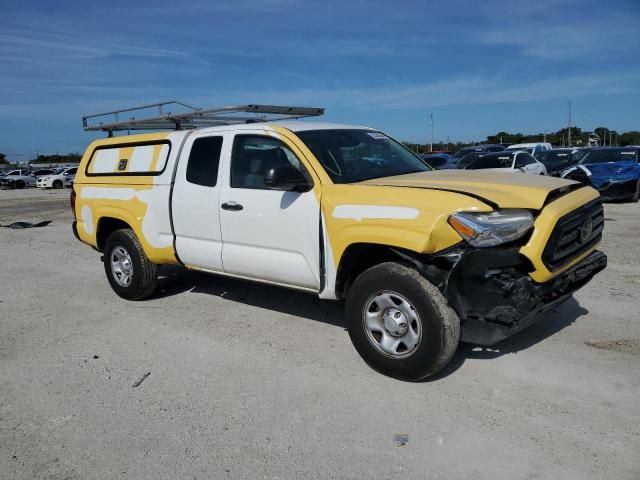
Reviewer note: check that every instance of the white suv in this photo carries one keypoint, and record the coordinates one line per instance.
(59, 179)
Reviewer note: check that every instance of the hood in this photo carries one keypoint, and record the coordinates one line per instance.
(600, 173)
(505, 190)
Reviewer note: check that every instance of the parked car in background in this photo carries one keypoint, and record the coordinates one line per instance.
(468, 159)
(42, 172)
(581, 152)
(58, 179)
(439, 161)
(531, 148)
(20, 178)
(556, 160)
(613, 171)
(507, 161)
(485, 148)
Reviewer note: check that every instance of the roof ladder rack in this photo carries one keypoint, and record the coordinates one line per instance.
(165, 117)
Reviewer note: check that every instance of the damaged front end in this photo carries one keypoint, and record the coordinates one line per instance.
(495, 297)
(491, 290)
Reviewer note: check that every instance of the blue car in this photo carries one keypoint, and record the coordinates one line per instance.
(613, 171)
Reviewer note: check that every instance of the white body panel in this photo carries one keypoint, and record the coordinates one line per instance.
(195, 210)
(275, 237)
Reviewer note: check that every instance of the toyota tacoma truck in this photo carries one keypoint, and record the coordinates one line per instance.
(423, 259)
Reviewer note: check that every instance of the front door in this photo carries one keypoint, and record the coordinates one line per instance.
(269, 235)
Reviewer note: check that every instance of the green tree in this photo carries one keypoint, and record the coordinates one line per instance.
(3, 158)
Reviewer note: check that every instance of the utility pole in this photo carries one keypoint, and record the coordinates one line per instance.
(569, 133)
(545, 136)
(609, 137)
(431, 143)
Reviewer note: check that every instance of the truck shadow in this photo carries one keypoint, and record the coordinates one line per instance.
(560, 317)
(176, 280)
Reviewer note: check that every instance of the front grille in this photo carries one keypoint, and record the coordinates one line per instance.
(573, 234)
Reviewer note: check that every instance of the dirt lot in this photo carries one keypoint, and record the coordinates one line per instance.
(249, 381)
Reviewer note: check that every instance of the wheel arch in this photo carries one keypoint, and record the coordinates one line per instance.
(357, 258)
(105, 227)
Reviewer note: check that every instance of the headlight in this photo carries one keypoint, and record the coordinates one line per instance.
(488, 229)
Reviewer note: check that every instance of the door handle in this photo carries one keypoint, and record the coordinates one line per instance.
(232, 206)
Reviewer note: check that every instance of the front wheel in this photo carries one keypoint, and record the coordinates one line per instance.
(636, 196)
(57, 184)
(400, 323)
(20, 184)
(129, 271)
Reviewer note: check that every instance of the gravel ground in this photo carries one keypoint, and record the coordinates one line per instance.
(248, 381)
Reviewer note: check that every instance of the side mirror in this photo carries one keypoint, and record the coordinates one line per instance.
(286, 178)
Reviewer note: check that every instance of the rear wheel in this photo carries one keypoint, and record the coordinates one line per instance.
(401, 324)
(129, 271)
(20, 184)
(57, 184)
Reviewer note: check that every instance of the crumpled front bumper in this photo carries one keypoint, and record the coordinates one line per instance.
(615, 190)
(495, 297)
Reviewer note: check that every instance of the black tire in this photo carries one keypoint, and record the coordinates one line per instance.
(20, 184)
(636, 196)
(57, 184)
(439, 323)
(143, 274)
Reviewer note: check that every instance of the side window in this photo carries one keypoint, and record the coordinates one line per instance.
(71, 171)
(528, 159)
(520, 161)
(254, 155)
(204, 161)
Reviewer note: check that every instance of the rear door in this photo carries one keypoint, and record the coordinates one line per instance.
(195, 202)
(269, 235)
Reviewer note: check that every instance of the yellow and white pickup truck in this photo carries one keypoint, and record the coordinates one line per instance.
(423, 258)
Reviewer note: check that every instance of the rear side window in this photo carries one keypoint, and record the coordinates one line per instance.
(145, 158)
(204, 161)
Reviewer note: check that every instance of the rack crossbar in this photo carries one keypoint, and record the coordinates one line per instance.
(138, 117)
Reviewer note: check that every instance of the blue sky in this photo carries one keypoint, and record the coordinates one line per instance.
(478, 66)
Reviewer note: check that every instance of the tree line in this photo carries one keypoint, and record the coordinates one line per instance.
(559, 138)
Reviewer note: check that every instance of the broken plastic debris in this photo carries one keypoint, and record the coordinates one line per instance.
(400, 439)
(20, 225)
(137, 384)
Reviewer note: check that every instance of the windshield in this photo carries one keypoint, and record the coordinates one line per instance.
(469, 158)
(577, 156)
(609, 155)
(357, 155)
(554, 157)
(492, 161)
(464, 151)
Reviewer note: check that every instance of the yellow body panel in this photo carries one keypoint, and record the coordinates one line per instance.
(508, 190)
(543, 226)
(428, 232)
(132, 211)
